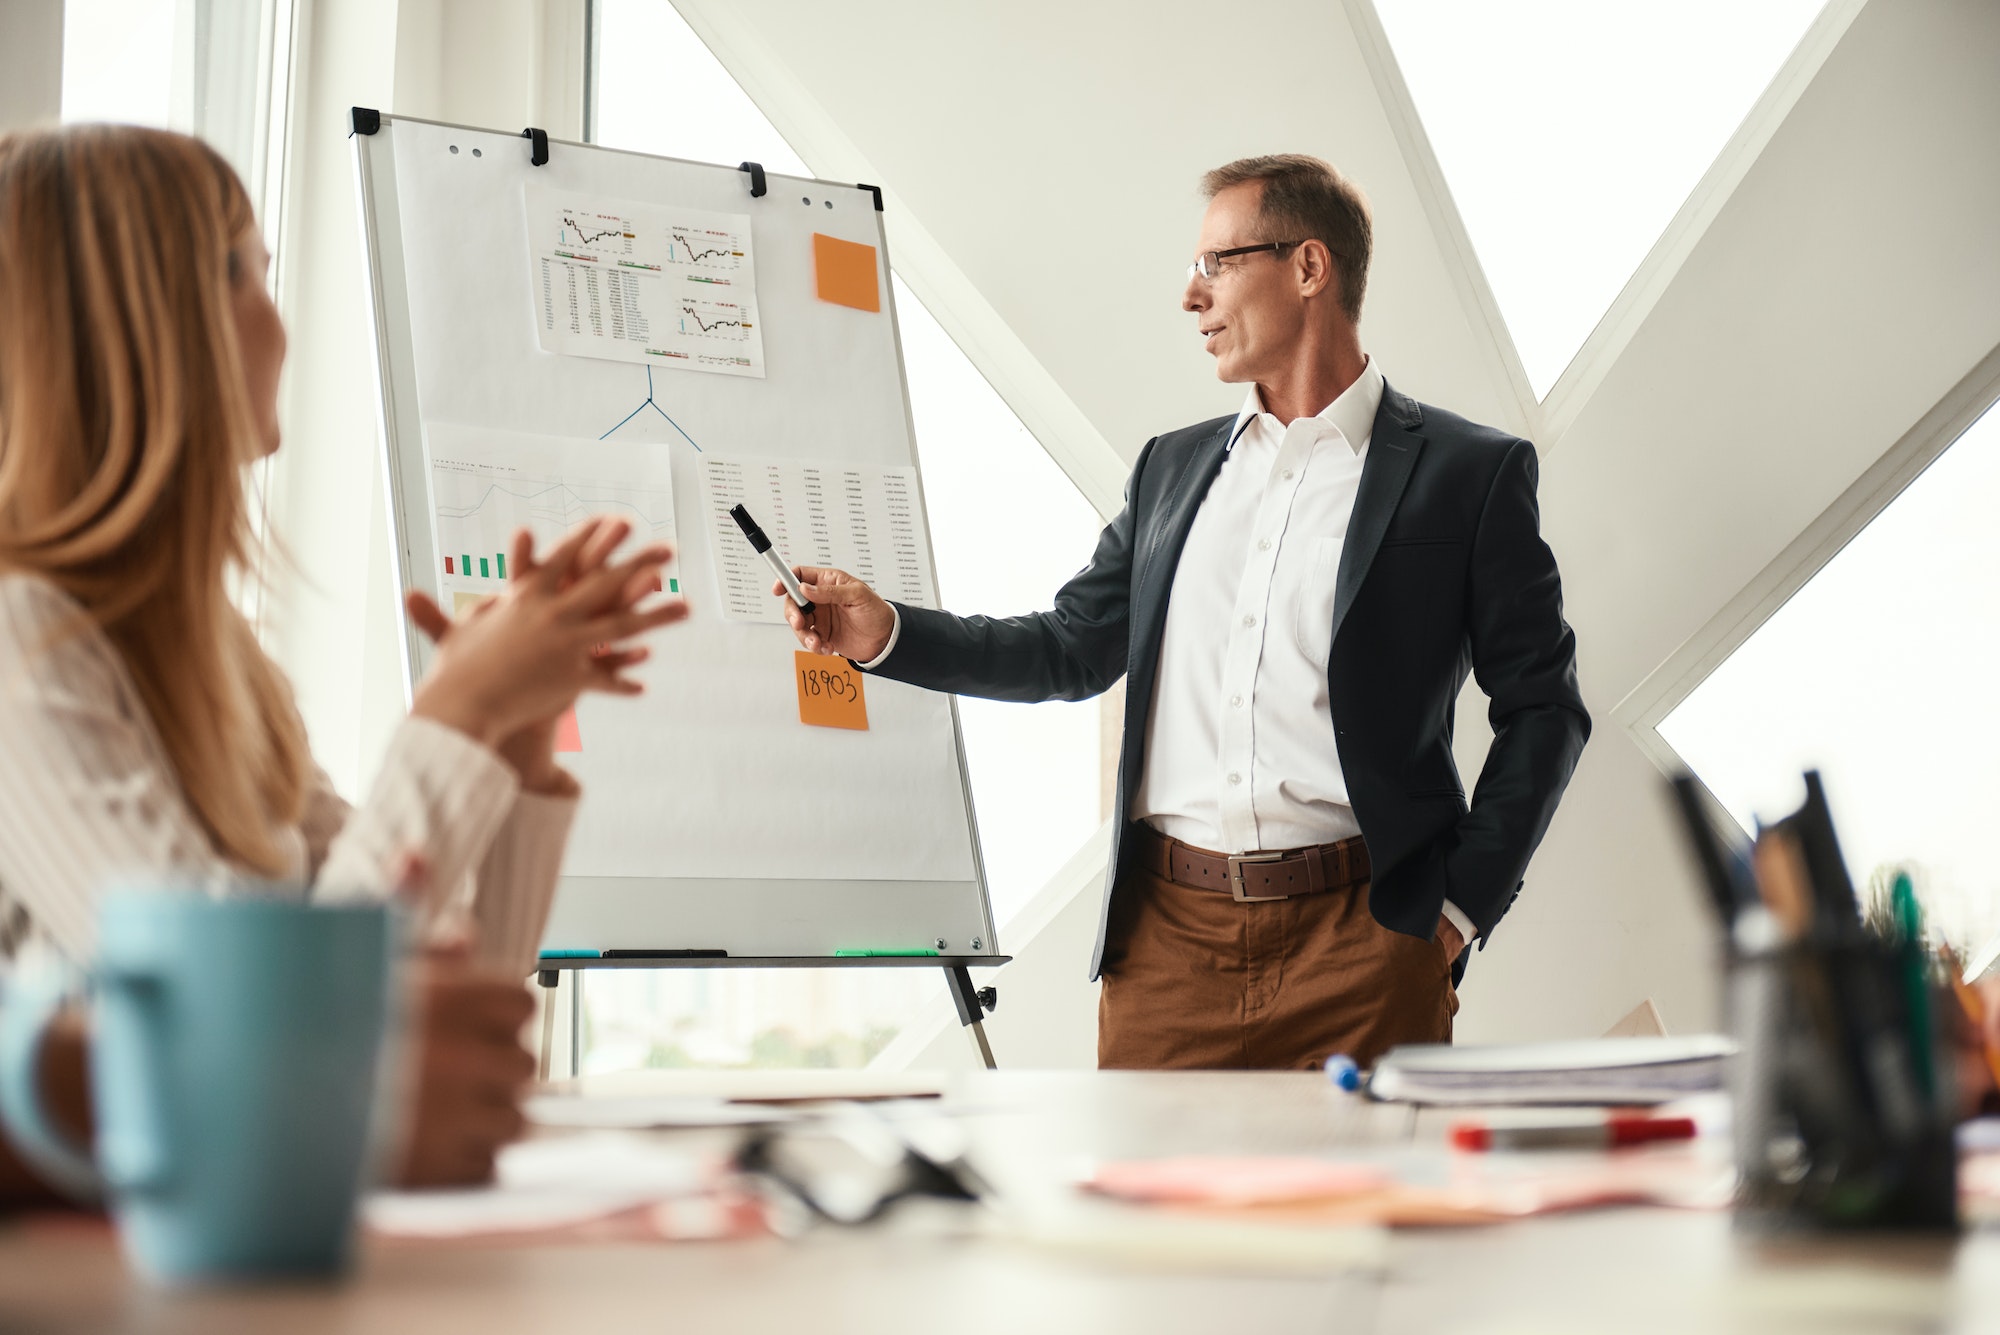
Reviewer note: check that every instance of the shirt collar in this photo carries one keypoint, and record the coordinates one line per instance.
(1353, 412)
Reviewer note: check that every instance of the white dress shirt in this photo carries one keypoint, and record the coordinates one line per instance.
(1240, 749)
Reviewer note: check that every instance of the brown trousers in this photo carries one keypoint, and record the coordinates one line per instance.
(1195, 980)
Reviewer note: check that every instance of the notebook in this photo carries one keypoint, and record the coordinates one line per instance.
(1591, 1070)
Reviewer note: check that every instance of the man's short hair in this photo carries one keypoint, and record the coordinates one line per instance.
(1307, 199)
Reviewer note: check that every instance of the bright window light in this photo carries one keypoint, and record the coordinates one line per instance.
(1007, 528)
(118, 61)
(1879, 673)
(213, 68)
(1571, 132)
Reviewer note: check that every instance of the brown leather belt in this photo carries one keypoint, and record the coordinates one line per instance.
(1252, 877)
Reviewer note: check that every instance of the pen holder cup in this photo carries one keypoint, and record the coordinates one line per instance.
(1845, 1098)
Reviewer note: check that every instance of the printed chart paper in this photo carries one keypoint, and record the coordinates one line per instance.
(639, 283)
(487, 484)
(863, 520)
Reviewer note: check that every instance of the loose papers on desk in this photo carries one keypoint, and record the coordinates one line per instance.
(1420, 1190)
(1596, 1070)
(589, 1186)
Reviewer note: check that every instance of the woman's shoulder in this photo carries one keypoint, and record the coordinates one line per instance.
(48, 640)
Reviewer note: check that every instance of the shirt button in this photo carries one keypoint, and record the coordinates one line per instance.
(1288, 475)
(1236, 702)
(1249, 622)
(1263, 544)
(1234, 777)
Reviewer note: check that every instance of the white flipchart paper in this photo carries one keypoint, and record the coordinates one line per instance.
(691, 779)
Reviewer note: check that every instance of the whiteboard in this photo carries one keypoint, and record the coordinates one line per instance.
(712, 818)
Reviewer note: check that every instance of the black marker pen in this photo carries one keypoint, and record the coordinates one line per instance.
(763, 546)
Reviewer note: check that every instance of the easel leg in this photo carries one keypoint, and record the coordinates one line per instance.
(575, 1023)
(958, 981)
(547, 980)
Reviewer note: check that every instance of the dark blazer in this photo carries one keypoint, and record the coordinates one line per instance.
(1444, 571)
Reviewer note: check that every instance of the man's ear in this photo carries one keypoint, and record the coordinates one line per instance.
(1315, 269)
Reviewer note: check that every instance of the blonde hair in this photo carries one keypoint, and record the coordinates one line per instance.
(125, 428)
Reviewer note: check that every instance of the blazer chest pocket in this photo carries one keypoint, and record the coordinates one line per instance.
(1313, 613)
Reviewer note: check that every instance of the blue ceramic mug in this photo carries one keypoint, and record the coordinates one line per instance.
(236, 1051)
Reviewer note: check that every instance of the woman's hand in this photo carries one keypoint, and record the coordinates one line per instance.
(508, 668)
(531, 753)
(471, 1069)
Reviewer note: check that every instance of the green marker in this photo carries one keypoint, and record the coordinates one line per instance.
(882, 954)
(570, 955)
(1909, 916)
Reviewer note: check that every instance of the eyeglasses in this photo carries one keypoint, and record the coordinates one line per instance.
(851, 1165)
(1209, 263)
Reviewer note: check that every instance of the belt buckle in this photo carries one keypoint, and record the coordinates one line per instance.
(1237, 861)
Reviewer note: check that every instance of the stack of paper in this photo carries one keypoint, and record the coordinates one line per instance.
(1594, 1070)
(591, 1185)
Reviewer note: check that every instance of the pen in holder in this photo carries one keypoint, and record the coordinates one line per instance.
(1844, 1106)
(1843, 1112)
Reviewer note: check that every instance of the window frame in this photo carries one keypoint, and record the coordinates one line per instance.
(1649, 703)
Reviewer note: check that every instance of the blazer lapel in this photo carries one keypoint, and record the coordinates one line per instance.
(1167, 534)
(1392, 453)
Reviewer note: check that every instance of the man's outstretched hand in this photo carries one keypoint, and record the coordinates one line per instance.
(848, 618)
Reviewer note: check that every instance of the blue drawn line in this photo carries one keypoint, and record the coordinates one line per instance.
(628, 417)
(649, 403)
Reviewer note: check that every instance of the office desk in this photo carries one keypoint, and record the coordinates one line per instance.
(1604, 1271)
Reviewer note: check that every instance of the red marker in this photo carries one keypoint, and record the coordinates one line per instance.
(1611, 1134)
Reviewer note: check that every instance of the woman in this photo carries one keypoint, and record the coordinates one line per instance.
(146, 732)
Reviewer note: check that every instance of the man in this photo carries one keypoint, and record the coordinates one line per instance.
(1295, 595)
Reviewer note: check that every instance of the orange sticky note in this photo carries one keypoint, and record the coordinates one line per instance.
(830, 693)
(845, 273)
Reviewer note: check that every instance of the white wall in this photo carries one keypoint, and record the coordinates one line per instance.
(31, 34)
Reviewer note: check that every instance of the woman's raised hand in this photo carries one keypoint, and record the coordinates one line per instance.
(509, 667)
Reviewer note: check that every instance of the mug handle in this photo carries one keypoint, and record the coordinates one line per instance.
(136, 1152)
(33, 999)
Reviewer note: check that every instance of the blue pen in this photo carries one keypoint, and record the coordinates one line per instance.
(1342, 1070)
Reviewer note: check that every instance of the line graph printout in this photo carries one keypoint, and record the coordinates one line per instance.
(487, 484)
(640, 283)
(866, 521)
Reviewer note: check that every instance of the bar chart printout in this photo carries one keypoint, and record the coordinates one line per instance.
(639, 283)
(486, 485)
(866, 521)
